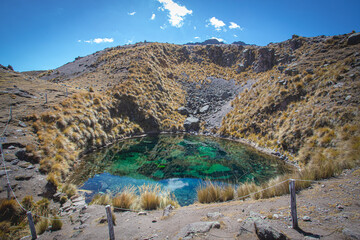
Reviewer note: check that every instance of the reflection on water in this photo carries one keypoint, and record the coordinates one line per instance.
(179, 163)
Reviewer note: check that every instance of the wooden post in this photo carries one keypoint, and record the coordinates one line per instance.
(45, 98)
(110, 222)
(8, 191)
(10, 118)
(32, 226)
(293, 204)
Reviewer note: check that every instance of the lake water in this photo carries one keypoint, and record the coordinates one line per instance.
(177, 162)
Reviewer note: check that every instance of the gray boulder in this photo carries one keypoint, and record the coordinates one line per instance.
(354, 39)
(192, 124)
(349, 233)
(193, 228)
(265, 232)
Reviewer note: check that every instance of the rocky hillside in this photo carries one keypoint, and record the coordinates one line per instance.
(298, 98)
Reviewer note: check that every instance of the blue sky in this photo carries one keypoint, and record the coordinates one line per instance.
(45, 34)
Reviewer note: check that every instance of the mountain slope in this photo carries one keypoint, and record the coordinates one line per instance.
(303, 102)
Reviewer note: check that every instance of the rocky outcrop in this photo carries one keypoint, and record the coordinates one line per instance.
(266, 60)
(354, 39)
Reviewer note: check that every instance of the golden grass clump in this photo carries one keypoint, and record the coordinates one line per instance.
(149, 196)
(10, 211)
(42, 207)
(28, 202)
(41, 226)
(69, 189)
(56, 224)
(101, 199)
(208, 193)
(125, 199)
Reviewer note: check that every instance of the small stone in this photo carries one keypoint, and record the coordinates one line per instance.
(275, 216)
(22, 124)
(142, 213)
(23, 177)
(306, 219)
(323, 186)
(239, 220)
(348, 97)
(14, 162)
(214, 215)
(30, 167)
(154, 221)
(204, 109)
(340, 207)
(83, 226)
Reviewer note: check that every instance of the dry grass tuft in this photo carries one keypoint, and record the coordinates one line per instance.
(209, 193)
(150, 196)
(125, 199)
(69, 189)
(101, 199)
(56, 223)
(41, 226)
(10, 211)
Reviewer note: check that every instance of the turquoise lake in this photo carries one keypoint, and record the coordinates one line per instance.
(177, 162)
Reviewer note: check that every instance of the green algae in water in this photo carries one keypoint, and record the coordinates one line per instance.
(174, 160)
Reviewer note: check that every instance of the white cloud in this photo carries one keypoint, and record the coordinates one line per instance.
(176, 12)
(129, 41)
(197, 37)
(194, 27)
(132, 13)
(152, 16)
(78, 40)
(218, 24)
(219, 39)
(234, 26)
(98, 40)
(163, 27)
(235, 35)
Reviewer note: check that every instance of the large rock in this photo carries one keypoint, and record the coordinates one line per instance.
(351, 234)
(265, 232)
(354, 39)
(198, 227)
(266, 60)
(192, 124)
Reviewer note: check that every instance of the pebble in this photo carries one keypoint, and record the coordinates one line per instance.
(306, 219)
(142, 213)
(275, 216)
(340, 207)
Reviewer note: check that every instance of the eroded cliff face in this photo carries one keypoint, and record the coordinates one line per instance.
(298, 97)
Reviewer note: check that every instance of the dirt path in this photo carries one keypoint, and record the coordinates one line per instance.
(333, 207)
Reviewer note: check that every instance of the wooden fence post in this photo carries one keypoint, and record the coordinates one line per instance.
(293, 204)
(8, 191)
(32, 226)
(110, 222)
(10, 118)
(45, 98)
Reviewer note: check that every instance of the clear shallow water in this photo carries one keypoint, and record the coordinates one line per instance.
(179, 163)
